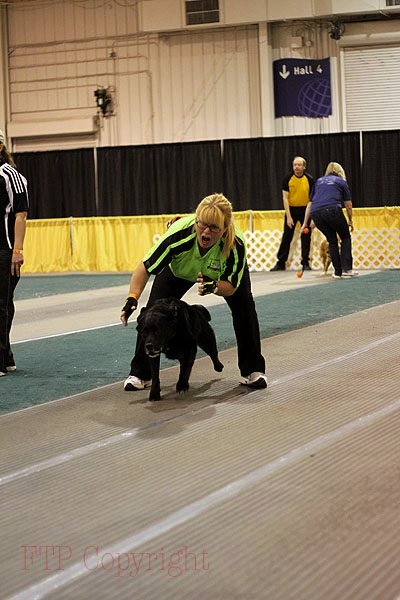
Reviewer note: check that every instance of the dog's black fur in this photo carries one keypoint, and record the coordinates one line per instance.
(175, 328)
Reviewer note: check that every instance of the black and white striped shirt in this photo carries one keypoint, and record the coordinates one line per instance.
(13, 199)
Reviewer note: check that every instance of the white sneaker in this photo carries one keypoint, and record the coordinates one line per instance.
(133, 383)
(336, 276)
(350, 273)
(255, 380)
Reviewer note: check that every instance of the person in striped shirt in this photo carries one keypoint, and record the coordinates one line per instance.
(14, 204)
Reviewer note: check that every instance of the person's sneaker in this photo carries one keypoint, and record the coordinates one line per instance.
(133, 383)
(278, 267)
(255, 380)
(11, 366)
(350, 273)
(336, 276)
(3, 371)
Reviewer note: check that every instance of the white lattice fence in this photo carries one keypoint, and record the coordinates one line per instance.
(372, 249)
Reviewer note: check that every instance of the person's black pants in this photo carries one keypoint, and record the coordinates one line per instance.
(333, 223)
(244, 315)
(297, 213)
(8, 284)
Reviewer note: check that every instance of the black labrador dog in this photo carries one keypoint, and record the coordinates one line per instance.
(176, 329)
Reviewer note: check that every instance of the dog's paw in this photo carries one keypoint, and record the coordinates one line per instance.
(154, 397)
(155, 394)
(218, 366)
(182, 386)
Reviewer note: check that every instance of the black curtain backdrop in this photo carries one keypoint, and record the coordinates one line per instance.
(254, 169)
(381, 173)
(60, 183)
(173, 178)
(165, 178)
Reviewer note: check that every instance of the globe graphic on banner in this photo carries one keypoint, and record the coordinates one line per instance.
(314, 99)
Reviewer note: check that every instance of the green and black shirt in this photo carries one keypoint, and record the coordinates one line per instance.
(179, 250)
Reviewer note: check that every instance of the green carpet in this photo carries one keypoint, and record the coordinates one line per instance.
(38, 286)
(61, 366)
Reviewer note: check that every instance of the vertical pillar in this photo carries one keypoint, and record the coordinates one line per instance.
(4, 81)
(266, 82)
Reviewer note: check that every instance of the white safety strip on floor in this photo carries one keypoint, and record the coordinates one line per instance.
(55, 335)
(337, 359)
(67, 456)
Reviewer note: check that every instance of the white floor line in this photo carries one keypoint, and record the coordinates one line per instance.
(84, 450)
(121, 549)
(67, 456)
(55, 335)
(337, 359)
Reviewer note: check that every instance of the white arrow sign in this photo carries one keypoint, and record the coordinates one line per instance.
(284, 73)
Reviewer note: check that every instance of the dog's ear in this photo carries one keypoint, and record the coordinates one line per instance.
(173, 307)
(185, 317)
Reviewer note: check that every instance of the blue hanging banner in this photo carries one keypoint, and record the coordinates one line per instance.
(302, 87)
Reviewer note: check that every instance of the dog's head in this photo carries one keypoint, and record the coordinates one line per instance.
(168, 318)
(158, 325)
(324, 248)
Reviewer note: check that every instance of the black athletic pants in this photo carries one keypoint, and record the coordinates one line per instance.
(297, 213)
(333, 223)
(8, 284)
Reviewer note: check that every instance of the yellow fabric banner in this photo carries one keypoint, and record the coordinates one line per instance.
(47, 246)
(117, 244)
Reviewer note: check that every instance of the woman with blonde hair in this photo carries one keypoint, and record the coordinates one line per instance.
(329, 196)
(334, 168)
(206, 248)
